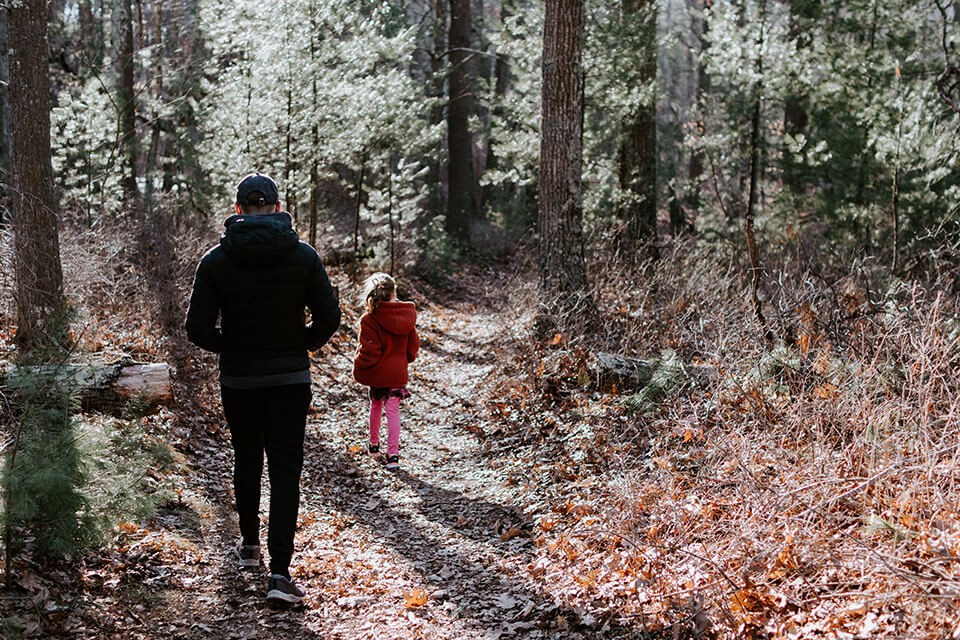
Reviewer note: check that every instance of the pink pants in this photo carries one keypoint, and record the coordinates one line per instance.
(392, 405)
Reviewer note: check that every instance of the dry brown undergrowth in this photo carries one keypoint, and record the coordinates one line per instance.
(811, 492)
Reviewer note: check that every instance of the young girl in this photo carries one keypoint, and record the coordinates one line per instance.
(388, 342)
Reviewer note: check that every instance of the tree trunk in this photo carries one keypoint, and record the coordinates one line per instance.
(314, 131)
(92, 47)
(4, 116)
(637, 156)
(393, 235)
(436, 177)
(358, 207)
(697, 160)
(158, 246)
(123, 20)
(867, 152)
(291, 205)
(803, 13)
(461, 200)
(41, 307)
(756, 270)
(155, 149)
(563, 276)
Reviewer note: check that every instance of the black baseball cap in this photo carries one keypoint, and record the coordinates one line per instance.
(257, 189)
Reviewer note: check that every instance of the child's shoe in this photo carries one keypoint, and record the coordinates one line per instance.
(373, 449)
(392, 462)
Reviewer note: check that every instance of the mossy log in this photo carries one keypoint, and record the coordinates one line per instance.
(620, 373)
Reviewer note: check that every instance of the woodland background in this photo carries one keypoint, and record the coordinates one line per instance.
(759, 199)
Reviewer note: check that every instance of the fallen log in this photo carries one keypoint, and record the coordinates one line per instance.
(113, 386)
(620, 373)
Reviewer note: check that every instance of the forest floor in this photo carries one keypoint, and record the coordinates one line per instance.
(530, 503)
(451, 545)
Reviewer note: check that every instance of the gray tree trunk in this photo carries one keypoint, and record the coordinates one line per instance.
(563, 275)
(123, 23)
(696, 171)
(637, 156)
(803, 13)
(4, 118)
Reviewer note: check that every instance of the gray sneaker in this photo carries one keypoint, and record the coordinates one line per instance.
(247, 555)
(282, 589)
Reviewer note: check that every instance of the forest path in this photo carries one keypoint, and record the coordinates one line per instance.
(436, 549)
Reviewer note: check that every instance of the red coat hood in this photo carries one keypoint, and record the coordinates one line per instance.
(396, 317)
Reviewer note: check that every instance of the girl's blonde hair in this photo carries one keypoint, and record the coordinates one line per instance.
(376, 289)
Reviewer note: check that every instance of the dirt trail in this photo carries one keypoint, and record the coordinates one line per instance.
(438, 549)
(376, 543)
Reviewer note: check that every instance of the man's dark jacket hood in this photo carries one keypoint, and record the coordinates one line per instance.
(260, 239)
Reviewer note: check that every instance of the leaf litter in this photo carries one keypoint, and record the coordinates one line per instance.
(521, 509)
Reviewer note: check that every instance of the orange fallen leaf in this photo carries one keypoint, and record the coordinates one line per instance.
(414, 598)
(510, 534)
(128, 527)
(825, 391)
(548, 523)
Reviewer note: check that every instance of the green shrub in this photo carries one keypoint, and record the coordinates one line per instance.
(67, 481)
(44, 472)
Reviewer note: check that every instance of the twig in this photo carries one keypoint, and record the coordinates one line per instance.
(723, 574)
(851, 492)
(653, 545)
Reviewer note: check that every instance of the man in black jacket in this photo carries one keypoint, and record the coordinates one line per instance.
(258, 282)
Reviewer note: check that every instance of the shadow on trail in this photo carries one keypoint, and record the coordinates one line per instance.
(472, 582)
(216, 599)
(228, 601)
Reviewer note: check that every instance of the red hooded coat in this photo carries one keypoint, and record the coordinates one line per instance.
(388, 341)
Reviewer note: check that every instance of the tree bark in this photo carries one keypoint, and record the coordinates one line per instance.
(4, 117)
(756, 141)
(637, 155)
(697, 159)
(92, 49)
(437, 178)
(155, 149)
(803, 13)
(108, 387)
(358, 207)
(123, 20)
(563, 276)
(41, 306)
(315, 134)
(462, 207)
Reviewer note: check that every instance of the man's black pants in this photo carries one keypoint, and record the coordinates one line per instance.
(271, 420)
